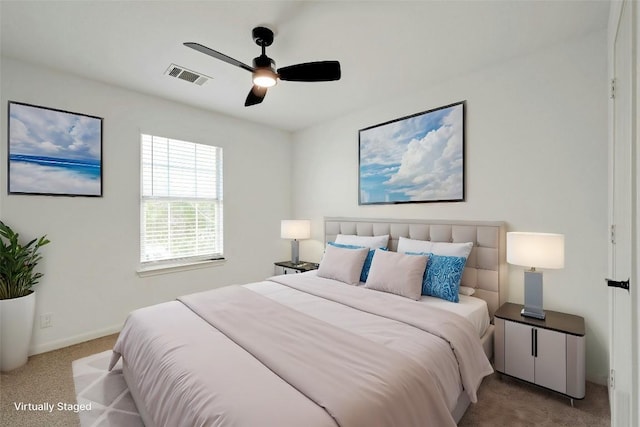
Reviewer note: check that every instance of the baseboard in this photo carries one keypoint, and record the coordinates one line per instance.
(77, 339)
(598, 379)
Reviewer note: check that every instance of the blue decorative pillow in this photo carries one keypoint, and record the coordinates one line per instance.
(367, 262)
(442, 276)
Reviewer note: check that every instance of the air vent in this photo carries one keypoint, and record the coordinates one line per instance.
(186, 75)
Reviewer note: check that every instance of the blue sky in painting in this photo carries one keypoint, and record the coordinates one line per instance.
(41, 132)
(419, 158)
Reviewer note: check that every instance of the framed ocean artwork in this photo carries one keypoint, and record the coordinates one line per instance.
(54, 152)
(414, 159)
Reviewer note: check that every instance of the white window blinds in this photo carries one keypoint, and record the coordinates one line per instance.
(181, 203)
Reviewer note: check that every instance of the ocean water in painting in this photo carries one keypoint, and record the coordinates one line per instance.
(54, 152)
(50, 175)
(87, 168)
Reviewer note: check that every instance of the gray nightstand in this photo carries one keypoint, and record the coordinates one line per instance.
(287, 267)
(549, 353)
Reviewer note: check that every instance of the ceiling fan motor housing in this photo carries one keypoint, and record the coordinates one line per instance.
(262, 36)
(263, 61)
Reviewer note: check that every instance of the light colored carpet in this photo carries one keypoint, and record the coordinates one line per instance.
(47, 377)
(104, 393)
(504, 401)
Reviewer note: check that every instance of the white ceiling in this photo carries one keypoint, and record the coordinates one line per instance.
(386, 48)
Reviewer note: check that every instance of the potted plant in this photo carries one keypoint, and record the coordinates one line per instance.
(17, 300)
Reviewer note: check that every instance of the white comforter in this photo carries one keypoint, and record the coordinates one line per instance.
(189, 373)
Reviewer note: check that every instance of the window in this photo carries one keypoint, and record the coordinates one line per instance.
(181, 203)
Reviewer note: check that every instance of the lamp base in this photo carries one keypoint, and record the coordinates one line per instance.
(535, 314)
(533, 295)
(295, 258)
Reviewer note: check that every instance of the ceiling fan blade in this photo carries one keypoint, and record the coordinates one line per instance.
(321, 71)
(218, 55)
(256, 95)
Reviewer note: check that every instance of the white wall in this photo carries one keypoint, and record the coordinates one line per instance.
(536, 157)
(90, 281)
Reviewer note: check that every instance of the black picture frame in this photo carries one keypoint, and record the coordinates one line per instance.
(53, 152)
(418, 158)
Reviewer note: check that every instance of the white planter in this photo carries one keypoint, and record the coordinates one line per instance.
(16, 326)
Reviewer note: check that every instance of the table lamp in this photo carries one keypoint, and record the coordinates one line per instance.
(295, 229)
(534, 250)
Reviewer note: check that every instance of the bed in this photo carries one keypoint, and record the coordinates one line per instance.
(307, 350)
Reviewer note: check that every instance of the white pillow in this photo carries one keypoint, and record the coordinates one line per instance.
(397, 273)
(451, 249)
(465, 290)
(366, 241)
(411, 245)
(344, 265)
(438, 248)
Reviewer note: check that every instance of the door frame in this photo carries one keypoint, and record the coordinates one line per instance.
(615, 15)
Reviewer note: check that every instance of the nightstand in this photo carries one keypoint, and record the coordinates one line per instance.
(549, 353)
(287, 267)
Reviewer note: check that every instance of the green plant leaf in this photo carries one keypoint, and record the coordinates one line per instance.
(18, 262)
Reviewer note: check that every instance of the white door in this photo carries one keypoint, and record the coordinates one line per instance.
(621, 202)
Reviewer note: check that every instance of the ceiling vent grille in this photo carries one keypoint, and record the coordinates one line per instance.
(186, 75)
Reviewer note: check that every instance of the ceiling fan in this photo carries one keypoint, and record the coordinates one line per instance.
(264, 72)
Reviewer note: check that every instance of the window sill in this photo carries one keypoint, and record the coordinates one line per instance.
(158, 269)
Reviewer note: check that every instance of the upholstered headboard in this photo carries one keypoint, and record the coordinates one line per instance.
(486, 266)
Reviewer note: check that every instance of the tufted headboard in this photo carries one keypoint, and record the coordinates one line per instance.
(485, 270)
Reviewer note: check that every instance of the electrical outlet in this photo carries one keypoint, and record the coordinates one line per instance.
(46, 320)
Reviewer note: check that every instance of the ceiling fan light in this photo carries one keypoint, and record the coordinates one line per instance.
(264, 78)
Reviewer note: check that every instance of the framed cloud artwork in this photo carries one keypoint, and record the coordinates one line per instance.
(54, 152)
(414, 159)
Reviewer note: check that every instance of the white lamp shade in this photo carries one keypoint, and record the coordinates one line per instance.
(536, 250)
(295, 229)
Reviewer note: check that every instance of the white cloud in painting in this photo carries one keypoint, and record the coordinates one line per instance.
(384, 172)
(18, 130)
(49, 148)
(431, 167)
(387, 143)
(38, 131)
(381, 151)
